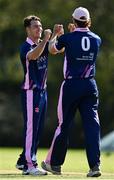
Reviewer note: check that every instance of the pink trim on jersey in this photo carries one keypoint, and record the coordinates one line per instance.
(59, 108)
(82, 29)
(48, 158)
(29, 132)
(58, 130)
(88, 72)
(86, 69)
(65, 66)
(26, 85)
(96, 116)
(29, 41)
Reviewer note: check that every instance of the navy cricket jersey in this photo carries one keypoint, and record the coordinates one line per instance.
(35, 71)
(81, 50)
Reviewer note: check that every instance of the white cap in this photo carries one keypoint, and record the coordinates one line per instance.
(81, 14)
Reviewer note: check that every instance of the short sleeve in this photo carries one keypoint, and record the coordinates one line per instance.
(60, 42)
(23, 52)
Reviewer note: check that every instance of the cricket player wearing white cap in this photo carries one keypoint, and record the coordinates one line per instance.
(78, 91)
(81, 14)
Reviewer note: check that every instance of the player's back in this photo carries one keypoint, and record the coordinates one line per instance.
(82, 45)
(81, 49)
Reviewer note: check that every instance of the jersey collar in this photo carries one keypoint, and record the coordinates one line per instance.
(82, 29)
(29, 41)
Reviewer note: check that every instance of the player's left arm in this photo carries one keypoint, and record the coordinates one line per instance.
(57, 32)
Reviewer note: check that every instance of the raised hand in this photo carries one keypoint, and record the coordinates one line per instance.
(71, 27)
(58, 29)
(47, 34)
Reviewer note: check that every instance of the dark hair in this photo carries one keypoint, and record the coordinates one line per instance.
(27, 20)
(82, 24)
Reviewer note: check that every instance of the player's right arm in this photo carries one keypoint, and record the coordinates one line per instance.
(37, 51)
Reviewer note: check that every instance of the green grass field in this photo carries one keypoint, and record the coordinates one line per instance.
(75, 166)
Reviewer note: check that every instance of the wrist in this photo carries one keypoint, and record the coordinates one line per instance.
(45, 40)
(53, 40)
